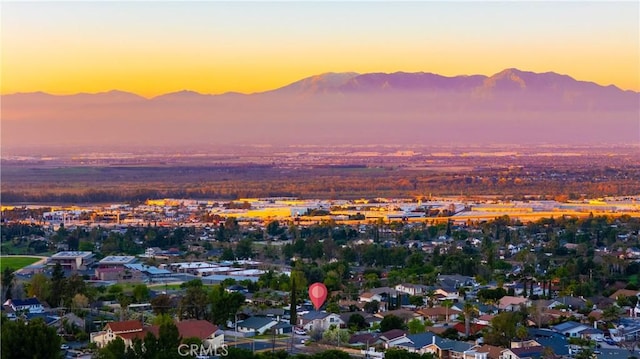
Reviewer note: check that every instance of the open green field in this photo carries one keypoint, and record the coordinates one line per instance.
(16, 262)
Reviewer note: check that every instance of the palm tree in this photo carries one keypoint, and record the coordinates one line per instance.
(447, 303)
(431, 296)
(469, 311)
(611, 313)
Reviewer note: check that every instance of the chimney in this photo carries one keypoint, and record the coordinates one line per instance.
(433, 340)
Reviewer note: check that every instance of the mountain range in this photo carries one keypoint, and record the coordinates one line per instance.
(512, 106)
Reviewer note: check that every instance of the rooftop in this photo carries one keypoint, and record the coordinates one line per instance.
(117, 260)
(72, 255)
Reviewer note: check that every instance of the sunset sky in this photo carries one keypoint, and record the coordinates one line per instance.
(151, 48)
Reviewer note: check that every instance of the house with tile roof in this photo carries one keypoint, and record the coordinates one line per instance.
(129, 330)
(510, 303)
(439, 314)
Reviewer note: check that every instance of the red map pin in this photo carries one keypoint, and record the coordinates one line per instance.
(318, 294)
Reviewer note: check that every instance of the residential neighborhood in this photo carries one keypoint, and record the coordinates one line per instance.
(496, 289)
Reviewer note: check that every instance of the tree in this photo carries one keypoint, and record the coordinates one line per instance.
(469, 310)
(33, 339)
(447, 303)
(372, 307)
(39, 286)
(416, 326)
(227, 254)
(194, 303)
(244, 249)
(7, 281)
(140, 293)
(391, 322)
(79, 301)
(224, 304)
(503, 328)
(162, 319)
(124, 301)
(273, 228)
(611, 314)
(336, 335)
(115, 349)
(333, 307)
(161, 304)
(57, 286)
(416, 300)
(357, 322)
(521, 332)
(168, 341)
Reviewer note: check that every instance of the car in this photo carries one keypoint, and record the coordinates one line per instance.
(64, 347)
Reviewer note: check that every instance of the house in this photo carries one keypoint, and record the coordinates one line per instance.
(365, 339)
(133, 329)
(208, 333)
(282, 328)
(73, 260)
(484, 319)
(511, 304)
(624, 293)
(439, 314)
(441, 348)
(127, 330)
(412, 289)
(30, 305)
(550, 339)
(393, 337)
(116, 261)
(574, 303)
(474, 328)
(420, 343)
(492, 351)
(347, 315)
(570, 329)
(524, 352)
(314, 320)
(592, 334)
(119, 274)
(256, 325)
(404, 314)
(481, 308)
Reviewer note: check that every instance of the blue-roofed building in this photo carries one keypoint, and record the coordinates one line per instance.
(283, 328)
(47, 318)
(30, 305)
(431, 343)
(256, 325)
(150, 271)
(548, 338)
(570, 329)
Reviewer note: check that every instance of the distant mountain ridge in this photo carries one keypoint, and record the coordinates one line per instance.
(400, 107)
(508, 79)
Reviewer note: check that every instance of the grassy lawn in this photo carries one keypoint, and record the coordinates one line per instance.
(16, 262)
